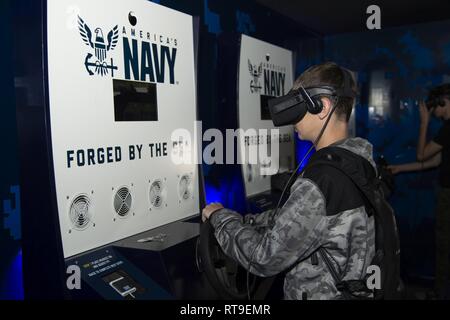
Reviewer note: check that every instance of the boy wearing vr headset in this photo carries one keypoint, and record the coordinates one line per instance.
(432, 154)
(325, 211)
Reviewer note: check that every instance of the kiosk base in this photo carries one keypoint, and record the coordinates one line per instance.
(164, 267)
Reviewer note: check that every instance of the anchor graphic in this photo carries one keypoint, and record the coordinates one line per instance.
(100, 68)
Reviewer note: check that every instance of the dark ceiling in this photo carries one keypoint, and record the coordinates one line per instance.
(328, 17)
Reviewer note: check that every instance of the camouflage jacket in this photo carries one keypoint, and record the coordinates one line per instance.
(323, 210)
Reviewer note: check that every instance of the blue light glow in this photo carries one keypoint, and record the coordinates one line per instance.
(301, 148)
(11, 286)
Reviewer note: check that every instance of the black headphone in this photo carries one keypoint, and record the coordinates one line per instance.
(436, 97)
(291, 108)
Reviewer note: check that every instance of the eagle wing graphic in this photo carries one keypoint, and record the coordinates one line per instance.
(260, 70)
(113, 38)
(85, 32)
(250, 67)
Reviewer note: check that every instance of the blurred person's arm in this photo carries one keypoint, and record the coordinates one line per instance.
(434, 162)
(425, 150)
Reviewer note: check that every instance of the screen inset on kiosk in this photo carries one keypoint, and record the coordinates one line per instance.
(135, 101)
(265, 112)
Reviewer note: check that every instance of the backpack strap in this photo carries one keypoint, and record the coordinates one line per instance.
(347, 288)
(334, 273)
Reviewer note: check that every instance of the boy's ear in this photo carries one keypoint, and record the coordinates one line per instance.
(327, 107)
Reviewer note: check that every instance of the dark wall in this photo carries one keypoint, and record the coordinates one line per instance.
(10, 231)
(396, 67)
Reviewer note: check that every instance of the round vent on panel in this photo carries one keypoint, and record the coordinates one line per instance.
(185, 187)
(157, 194)
(123, 201)
(80, 212)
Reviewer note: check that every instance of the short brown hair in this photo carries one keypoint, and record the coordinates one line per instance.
(329, 74)
(442, 90)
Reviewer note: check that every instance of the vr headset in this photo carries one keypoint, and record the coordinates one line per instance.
(292, 108)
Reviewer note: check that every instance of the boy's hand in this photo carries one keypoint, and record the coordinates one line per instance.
(424, 113)
(210, 209)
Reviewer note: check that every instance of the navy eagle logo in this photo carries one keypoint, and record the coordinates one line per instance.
(256, 73)
(101, 48)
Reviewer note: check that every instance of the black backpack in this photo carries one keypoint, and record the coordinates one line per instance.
(387, 245)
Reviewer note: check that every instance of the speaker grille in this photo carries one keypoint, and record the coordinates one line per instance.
(123, 201)
(80, 212)
(185, 187)
(157, 194)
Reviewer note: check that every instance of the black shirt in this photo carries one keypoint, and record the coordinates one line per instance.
(443, 139)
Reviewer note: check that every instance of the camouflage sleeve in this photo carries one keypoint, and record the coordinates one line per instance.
(259, 219)
(296, 234)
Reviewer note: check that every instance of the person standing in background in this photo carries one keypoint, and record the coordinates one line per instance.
(433, 154)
